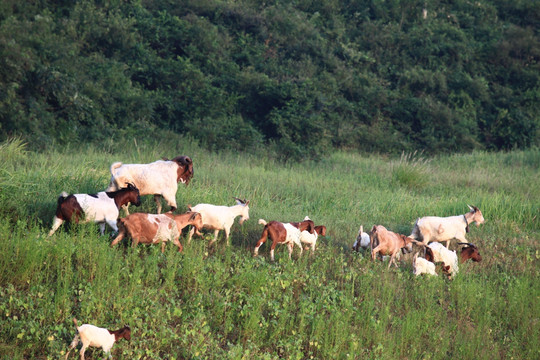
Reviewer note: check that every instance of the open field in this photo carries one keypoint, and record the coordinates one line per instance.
(222, 303)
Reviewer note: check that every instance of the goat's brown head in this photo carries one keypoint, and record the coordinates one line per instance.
(127, 195)
(321, 230)
(123, 333)
(196, 220)
(470, 251)
(407, 243)
(185, 169)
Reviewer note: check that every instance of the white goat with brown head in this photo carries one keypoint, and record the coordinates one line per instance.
(94, 336)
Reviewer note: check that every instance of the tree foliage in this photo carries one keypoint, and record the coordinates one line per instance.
(299, 77)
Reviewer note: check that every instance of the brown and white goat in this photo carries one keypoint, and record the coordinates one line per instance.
(94, 336)
(470, 251)
(283, 233)
(159, 178)
(101, 208)
(435, 228)
(155, 228)
(385, 242)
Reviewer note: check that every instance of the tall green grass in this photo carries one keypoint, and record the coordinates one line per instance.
(223, 303)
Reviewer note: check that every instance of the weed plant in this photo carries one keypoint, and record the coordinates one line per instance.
(223, 303)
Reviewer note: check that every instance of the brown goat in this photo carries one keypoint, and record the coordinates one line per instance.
(156, 228)
(388, 243)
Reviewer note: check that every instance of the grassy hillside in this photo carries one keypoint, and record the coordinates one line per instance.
(222, 303)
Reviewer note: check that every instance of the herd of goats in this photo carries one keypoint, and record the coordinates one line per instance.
(160, 178)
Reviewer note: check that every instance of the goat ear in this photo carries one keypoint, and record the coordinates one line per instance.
(189, 207)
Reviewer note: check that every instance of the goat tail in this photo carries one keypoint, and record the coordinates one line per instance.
(75, 322)
(62, 197)
(115, 166)
(262, 222)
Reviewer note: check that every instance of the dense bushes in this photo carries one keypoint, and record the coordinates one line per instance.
(302, 78)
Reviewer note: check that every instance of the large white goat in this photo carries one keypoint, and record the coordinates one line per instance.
(101, 208)
(159, 178)
(218, 218)
(434, 228)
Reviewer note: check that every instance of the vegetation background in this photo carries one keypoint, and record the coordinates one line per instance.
(223, 303)
(302, 107)
(299, 77)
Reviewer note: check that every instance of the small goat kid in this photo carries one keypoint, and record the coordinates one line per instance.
(423, 266)
(447, 257)
(94, 336)
(156, 228)
(218, 218)
(159, 178)
(101, 208)
(362, 240)
(434, 228)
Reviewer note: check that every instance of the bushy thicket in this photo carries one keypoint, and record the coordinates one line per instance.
(297, 77)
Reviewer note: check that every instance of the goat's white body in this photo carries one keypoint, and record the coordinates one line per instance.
(423, 266)
(308, 238)
(448, 257)
(434, 228)
(217, 217)
(97, 337)
(167, 228)
(362, 239)
(101, 209)
(157, 178)
(94, 336)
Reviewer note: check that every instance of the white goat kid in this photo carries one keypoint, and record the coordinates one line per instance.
(423, 266)
(308, 238)
(218, 218)
(94, 336)
(448, 257)
(362, 240)
(434, 228)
